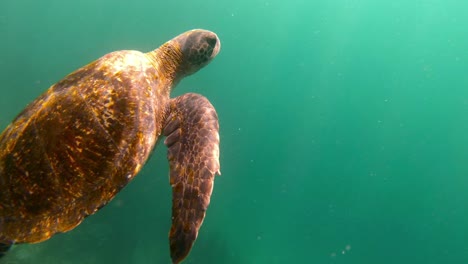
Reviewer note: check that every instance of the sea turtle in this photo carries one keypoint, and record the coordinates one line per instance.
(69, 152)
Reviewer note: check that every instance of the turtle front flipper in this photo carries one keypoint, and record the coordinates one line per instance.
(193, 153)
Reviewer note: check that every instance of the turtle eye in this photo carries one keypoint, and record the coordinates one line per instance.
(211, 40)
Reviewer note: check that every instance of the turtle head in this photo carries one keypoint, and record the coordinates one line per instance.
(197, 48)
(185, 54)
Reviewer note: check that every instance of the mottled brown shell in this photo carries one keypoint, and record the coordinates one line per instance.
(71, 150)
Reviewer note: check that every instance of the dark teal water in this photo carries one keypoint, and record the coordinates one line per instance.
(344, 127)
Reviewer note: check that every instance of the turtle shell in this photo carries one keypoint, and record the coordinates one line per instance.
(72, 149)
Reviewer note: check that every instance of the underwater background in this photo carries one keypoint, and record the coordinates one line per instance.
(343, 125)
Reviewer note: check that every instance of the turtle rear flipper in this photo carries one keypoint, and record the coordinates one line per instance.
(193, 153)
(4, 248)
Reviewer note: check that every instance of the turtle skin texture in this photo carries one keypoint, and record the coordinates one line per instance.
(69, 152)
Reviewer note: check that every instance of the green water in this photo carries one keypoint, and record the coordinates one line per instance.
(344, 127)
